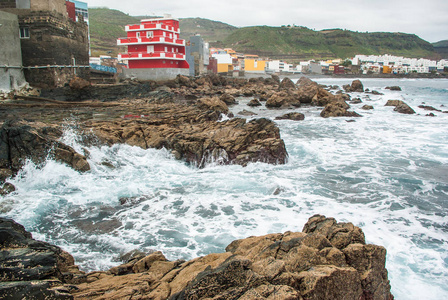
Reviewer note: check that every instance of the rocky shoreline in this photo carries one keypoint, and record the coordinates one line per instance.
(327, 260)
(188, 116)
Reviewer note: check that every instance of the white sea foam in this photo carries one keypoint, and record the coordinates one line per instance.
(386, 173)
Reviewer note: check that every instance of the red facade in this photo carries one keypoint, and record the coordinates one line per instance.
(71, 10)
(154, 43)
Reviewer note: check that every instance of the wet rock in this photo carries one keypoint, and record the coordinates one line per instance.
(21, 140)
(247, 113)
(295, 116)
(393, 102)
(337, 109)
(254, 102)
(356, 101)
(275, 78)
(356, 86)
(283, 99)
(427, 107)
(328, 260)
(287, 84)
(6, 188)
(228, 99)
(31, 268)
(393, 88)
(367, 107)
(431, 115)
(403, 108)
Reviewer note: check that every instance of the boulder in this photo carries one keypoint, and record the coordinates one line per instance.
(295, 116)
(356, 86)
(327, 260)
(356, 101)
(275, 78)
(228, 99)
(427, 107)
(282, 99)
(393, 88)
(254, 102)
(400, 107)
(245, 112)
(287, 84)
(337, 109)
(21, 140)
(367, 107)
(31, 269)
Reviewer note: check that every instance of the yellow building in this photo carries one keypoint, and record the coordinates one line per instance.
(252, 63)
(387, 70)
(224, 68)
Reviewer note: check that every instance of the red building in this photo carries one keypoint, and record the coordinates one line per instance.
(154, 44)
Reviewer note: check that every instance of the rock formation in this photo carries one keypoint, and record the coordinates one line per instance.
(328, 260)
(400, 107)
(356, 86)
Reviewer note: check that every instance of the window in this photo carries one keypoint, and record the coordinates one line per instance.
(149, 34)
(24, 33)
(138, 34)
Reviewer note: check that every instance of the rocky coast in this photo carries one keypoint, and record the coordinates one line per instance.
(191, 118)
(327, 260)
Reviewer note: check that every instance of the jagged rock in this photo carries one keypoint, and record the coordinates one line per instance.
(228, 99)
(282, 99)
(247, 113)
(31, 269)
(295, 116)
(427, 107)
(21, 140)
(6, 188)
(367, 107)
(356, 86)
(328, 260)
(356, 101)
(275, 78)
(393, 88)
(337, 109)
(430, 115)
(400, 107)
(254, 102)
(287, 84)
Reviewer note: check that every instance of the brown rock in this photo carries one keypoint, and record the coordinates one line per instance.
(228, 99)
(356, 86)
(393, 88)
(77, 83)
(367, 107)
(295, 116)
(282, 99)
(254, 102)
(337, 109)
(404, 109)
(287, 84)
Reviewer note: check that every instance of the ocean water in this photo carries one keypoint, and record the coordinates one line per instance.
(385, 172)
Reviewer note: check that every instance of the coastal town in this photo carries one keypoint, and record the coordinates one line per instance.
(152, 161)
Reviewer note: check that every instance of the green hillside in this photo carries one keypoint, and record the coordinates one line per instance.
(441, 48)
(296, 43)
(289, 43)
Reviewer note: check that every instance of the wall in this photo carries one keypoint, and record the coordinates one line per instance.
(154, 74)
(54, 40)
(249, 65)
(10, 54)
(49, 5)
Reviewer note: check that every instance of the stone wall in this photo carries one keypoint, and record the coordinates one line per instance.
(10, 54)
(7, 4)
(54, 41)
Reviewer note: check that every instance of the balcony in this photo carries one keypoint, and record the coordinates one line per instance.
(152, 55)
(139, 27)
(150, 40)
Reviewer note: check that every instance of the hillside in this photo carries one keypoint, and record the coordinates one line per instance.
(289, 43)
(441, 48)
(296, 43)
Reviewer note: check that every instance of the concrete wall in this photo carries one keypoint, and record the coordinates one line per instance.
(10, 54)
(157, 74)
(23, 4)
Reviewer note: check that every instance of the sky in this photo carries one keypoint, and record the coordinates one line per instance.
(426, 18)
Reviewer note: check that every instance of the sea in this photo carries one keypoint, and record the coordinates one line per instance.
(385, 172)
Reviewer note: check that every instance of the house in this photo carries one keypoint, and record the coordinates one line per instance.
(54, 47)
(197, 55)
(11, 75)
(154, 50)
(253, 64)
(224, 62)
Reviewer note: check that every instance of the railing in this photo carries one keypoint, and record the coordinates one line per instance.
(150, 26)
(152, 55)
(150, 40)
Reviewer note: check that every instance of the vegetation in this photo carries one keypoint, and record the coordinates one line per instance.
(292, 43)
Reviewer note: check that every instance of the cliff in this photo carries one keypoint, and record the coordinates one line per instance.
(327, 260)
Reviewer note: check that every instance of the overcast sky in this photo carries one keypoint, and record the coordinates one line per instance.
(426, 18)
